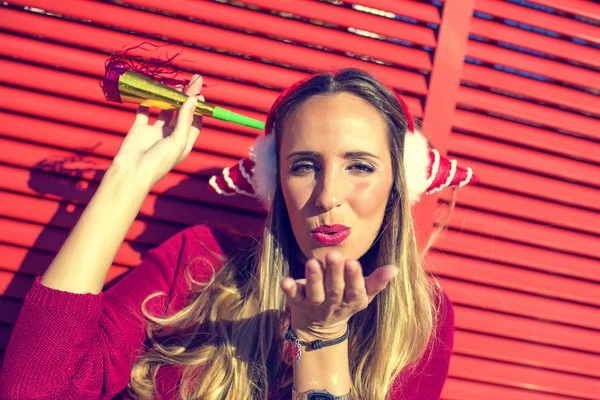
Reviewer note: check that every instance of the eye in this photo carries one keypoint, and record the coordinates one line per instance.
(362, 167)
(302, 168)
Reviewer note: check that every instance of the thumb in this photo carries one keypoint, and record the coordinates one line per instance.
(293, 290)
(379, 279)
(185, 117)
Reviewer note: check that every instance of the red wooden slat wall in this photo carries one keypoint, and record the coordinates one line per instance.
(507, 87)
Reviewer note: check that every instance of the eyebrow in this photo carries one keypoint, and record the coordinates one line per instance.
(348, 154)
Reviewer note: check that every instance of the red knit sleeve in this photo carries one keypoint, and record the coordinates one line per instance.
(82, 346)
(426, 379)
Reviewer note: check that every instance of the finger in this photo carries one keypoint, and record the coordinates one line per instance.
(192, 90)
(185, 117)
(355, 282)
(142, 115)
(334, 277)
(164, 118)
(195, 85)
(315, 293)
(197, 120)
(168, 117)
(194, 133)
(293, 290)
(196, 125)
(195, 130)
(379, 279)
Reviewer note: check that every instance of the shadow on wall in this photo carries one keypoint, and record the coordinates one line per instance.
(74, 181)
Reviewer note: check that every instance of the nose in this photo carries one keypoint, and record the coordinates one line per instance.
(329, 191)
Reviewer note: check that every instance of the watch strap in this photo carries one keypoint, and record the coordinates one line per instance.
(296, 395)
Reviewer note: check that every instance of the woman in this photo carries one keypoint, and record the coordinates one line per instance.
(337, 265)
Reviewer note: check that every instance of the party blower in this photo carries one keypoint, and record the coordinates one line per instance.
(122, 84)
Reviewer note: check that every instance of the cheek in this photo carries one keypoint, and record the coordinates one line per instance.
(296, 195)
(370, 197)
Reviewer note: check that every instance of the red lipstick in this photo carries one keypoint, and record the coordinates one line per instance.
(331, 235)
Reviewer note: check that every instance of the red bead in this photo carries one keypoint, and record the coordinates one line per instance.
(294, 352)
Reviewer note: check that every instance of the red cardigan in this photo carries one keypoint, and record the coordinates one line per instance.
(82, 346)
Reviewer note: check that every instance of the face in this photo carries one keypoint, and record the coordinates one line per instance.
(336, 174)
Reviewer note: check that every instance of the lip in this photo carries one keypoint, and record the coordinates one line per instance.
(331, 235)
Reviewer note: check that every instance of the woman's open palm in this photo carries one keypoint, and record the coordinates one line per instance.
(323, 302)
(155, 149)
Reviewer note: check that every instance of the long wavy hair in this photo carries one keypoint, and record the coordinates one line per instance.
(229, 338)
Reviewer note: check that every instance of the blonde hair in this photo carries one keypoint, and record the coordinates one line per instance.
(229, 338)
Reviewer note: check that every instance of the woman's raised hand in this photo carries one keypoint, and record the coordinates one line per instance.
(152, 150)
(322, 303)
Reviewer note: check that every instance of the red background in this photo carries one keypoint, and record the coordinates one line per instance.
(509, 88)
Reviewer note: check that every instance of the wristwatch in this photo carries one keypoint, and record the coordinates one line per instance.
(317, 395)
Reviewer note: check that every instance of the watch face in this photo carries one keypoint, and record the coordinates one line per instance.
(320, 396)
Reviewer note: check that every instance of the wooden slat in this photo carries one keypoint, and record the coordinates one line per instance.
(555, 47)
(32, 157)
(217, 91)
(525, 232)
(10, 310)
(345, 17)
(302, 32)
(82, 88)
(526, 159)
(28, 156)
(107, 145)
(533, 209)
(72, 85)
(51, 160)
(24, 261)
(173, 199)
(90, 168)
(5, 332)
(441, 99)
(501, 251)
(554, 70)
(497, 275)
(463, 389)
(27, 262)
(406, 8)
(530, 354)
(91, 116)
(532, 330)
(58, 108)
(50, 239)
(524, 292)
(57, 214)
(531, 89)
(527, 136)
(92, 63)
(191, 32)
(527, 111)
(524, 377)
(17, 285)
(532, 185)
(515, 303)
(584, 8)
(14, 286)
(540, 19)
